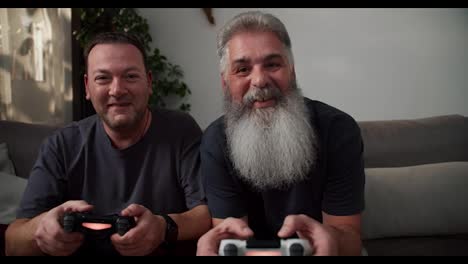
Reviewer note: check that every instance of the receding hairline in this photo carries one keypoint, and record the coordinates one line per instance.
(142, 59)
(252, 22)
(115, 38)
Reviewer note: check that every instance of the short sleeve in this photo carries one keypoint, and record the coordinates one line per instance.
(45, 189)
(344, 187)
(190, 163)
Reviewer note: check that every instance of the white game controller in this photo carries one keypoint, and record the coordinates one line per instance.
(283, 247)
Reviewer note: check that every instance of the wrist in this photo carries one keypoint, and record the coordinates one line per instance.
(171, 232)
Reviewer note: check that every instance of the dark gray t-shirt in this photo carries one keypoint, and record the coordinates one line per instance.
(335, 185)
(78, 162)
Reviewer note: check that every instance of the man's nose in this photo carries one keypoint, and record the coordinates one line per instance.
(259, 78)
(117, 88)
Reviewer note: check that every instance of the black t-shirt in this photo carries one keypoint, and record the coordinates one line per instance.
(335, 185)
(78, 162)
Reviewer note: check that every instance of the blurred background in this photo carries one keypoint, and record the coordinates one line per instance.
(375, 64)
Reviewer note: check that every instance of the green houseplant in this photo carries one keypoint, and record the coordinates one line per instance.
(167, 76)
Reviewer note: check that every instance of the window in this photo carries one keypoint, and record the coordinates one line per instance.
(35, 65)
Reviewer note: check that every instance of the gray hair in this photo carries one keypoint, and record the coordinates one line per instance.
(265, 151)
(252, 21)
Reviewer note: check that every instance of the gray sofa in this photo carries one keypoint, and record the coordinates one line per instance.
(416, 182)
(19, 145)
(416, 186)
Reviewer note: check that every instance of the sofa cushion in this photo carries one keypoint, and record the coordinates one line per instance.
(5, 163)
(416, 201)
(23, 141)
(397, 143)
(11, 191)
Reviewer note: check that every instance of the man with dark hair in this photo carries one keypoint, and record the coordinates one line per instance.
(127, 159)
(278, 164)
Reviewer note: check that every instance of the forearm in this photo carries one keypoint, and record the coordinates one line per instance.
(217, 221)
(349, 240)
(193, 223)
(19, 237)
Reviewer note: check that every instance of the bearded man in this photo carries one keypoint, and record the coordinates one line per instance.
(278, 164)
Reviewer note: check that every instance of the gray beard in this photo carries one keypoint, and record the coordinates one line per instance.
(272, 147)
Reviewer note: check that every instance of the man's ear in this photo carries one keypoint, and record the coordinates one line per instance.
(223, 83)
(293, 73)
(88, 97)
(149, 78)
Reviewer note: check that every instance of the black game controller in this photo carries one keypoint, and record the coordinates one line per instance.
(93, 224)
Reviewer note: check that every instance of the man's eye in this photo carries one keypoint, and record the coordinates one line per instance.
(101, 78)
(132, 77)
(242, 70)
(272, 65)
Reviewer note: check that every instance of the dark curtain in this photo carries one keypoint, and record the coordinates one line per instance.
(81, 107)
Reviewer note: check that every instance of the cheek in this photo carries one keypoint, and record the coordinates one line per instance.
(237, 95)
(238, 90)
(99, 95)
(145, 93)
(284, 82)
(284, 87)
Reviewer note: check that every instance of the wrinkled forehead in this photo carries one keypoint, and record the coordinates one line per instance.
(255, 46)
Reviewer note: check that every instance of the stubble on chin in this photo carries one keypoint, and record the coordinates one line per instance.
(120, 121)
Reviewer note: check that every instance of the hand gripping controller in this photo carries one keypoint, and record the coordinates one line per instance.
(85, 223)
(283, 247)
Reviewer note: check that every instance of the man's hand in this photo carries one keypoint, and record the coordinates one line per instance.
(145, 237)
(231, 228)
(322, 238)
(50, 236)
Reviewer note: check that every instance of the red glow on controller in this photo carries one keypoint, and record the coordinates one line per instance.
(97, 226)
(263, 253)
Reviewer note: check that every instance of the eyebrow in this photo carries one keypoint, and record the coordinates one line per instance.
(266, 58)
(133, 68)
(273, 56)
(241, 60)
(100, 71)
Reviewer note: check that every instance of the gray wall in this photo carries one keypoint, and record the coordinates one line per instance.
(372, 63)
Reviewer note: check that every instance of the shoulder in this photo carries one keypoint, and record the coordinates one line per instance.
(326, 117)
(215, 129)
(170, 115)
(337, 130)
(214, 134)
(67, 141)
(74, 132)
(175, 120)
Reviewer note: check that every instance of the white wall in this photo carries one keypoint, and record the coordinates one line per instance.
(371, 63)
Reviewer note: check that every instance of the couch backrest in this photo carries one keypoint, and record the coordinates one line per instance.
(416, 177)
(23, 142)
(398, 143)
